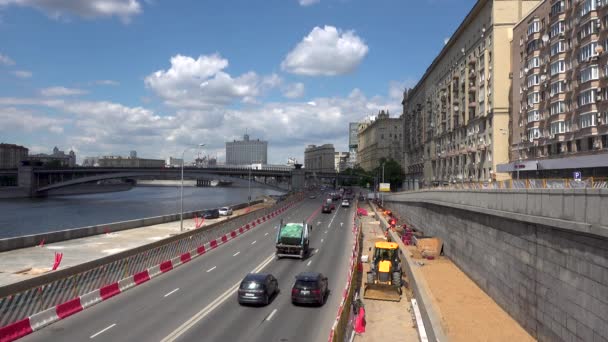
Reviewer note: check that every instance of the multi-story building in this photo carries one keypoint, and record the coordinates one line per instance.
(456, 118)
(341, 161)
(380, 138)
(118, 161)
(174, 162)
(242, 152)
(11, 155)
(320, 158)
(560, 110)
(60, 157)
(353, 143)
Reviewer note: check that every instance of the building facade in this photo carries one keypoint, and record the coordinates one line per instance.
(174, 162)
(246, 151)
(320, 158)
(381, 138)
(559, 93)
(456, 119)
(11, 155)
(353, 143)
(118, 161)
(341, 161)
(60, 157)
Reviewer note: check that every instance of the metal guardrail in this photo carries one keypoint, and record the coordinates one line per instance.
(24, 303)
(544, 183)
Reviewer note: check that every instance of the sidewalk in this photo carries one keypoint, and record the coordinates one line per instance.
(20, 264)
(386, 321)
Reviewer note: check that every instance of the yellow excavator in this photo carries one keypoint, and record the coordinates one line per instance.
(384, 276)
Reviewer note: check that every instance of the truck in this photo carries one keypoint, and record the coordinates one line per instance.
(292, 240)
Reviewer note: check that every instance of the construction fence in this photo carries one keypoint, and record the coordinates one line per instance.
(545, 183)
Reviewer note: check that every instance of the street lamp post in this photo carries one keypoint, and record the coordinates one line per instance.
(181, 195)
(382, 182)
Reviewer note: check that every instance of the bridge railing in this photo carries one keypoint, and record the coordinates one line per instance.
(21, 300)
(544, 183)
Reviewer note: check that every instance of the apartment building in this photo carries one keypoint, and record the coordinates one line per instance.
(380, 138)
(456, 118)
(11, 155)
(320, 158)
(560, 113)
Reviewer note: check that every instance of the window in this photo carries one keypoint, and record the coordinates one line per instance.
(587, 51)
(533, 133)
(558, 67)
(586, 97)
(533, 116)
(559, 46)
(588, 28)
(557, 28)
(533, 62)
(590, 73)
(557, 107)
(534, 27)
(558, 7)
(558, 87)
(605, 122)
(587, 6)
(558, 127)
(587, 119)
(533, 80)
(533, 45)
(533, 98)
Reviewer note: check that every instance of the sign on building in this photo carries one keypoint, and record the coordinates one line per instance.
(385, 187)
(578, 176)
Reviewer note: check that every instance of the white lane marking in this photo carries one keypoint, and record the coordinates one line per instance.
(341, 224)
(308, 264)
(211, 269)
(253, 243)
(326, 232)
(332, 219)
(102, 331)
(237, 253)
(172, 292)
(271, 314)
(213, 305)
(318, 223)
(321, 240)
(265, 234)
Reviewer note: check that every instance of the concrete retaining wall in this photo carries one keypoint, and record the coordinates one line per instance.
(552, 280)
(75, 233)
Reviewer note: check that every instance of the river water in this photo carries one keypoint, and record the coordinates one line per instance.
(31, 216)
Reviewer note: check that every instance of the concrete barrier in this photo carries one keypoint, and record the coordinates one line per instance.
(9, 244)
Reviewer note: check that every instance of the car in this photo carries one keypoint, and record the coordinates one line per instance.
(310, 288)
(211, 214)
(258, 288)
(345, 204)
(312, 196)
(326, 208)
(225, 211)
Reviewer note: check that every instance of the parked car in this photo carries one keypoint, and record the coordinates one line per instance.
(225, 211)
(345, 204)
(310, 288)
(313, 196)
(211, 214)
(258, 288)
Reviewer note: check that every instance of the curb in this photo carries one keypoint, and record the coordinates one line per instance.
(41, 319)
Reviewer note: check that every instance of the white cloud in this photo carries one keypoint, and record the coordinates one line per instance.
(326, 51)
(22, 73)
(294, 90)
(202, 83)
(27, 121)
(4, 59)
(107, 82)
(61, 91)
(308, 2)
(123, 9)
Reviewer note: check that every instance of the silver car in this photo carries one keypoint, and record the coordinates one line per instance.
(225, 211)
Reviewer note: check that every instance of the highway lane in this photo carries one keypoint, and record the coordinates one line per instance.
(281, 320)
(155, 309)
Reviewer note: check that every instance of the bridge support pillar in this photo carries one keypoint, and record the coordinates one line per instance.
(26, 179)
(298, 178)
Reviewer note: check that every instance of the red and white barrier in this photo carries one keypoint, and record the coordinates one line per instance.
(41, 319)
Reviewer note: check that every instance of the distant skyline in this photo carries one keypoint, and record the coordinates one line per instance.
(106, 77)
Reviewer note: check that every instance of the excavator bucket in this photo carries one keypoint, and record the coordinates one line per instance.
(382, 292)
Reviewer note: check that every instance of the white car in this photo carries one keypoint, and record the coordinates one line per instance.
(345, 203)
(225, 211)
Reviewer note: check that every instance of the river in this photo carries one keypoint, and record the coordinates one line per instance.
(31, 216)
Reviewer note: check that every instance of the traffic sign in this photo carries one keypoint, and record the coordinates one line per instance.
(578, 176)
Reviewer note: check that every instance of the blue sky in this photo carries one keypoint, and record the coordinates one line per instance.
(109, 76)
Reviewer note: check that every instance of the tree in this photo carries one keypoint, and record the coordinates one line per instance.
(393, 173)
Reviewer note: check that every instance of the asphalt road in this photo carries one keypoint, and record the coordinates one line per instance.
(197, 301)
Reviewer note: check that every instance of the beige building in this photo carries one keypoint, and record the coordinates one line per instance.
(59, 157)
(456, 118)
(320, 158)
(118, 161)
(560, 113)
(11, 155)
(341, 161)
(380, 138)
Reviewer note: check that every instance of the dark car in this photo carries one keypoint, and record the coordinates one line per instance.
(326, 208)
(258, 288)
(211, 214)
(310, 288)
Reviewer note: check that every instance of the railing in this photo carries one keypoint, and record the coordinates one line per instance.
(49, 290)
(545, 183)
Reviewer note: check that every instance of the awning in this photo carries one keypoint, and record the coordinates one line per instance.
(520, 165)
(580, 162)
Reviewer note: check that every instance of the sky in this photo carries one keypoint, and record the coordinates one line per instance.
(104, 77)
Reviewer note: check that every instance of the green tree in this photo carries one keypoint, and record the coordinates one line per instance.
(393, 173)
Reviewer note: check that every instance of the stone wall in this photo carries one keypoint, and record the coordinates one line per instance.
(554, 282)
